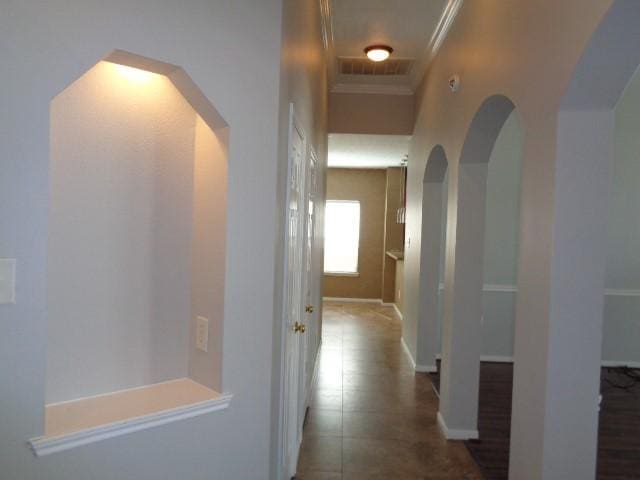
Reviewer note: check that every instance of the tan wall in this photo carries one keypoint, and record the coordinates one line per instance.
(399, 285)
(368, 187)
(393, 233)
(371, 114)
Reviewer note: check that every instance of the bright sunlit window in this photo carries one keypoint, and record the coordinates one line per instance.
(341, 236)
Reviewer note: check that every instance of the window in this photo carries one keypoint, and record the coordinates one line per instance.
(341, 236)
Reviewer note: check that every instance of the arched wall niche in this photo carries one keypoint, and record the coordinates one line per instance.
(462, 306)
(136, 251)
(433, 201)
(565, 443)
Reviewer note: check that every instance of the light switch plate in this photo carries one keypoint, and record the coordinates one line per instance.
(7, 280)
(202, 333)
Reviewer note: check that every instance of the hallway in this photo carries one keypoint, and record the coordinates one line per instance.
(371, 416)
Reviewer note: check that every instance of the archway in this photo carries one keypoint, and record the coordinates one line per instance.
(554, 429)
(433, 202)
(464, 271)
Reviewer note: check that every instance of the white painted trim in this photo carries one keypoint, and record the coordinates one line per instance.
(456, 434)
(395, 307)
(47, 445)
(351, 300)
(621, 292)
(426, 368)
(492, 287)
(508, 359)
(408, 353)
(372, 89)
(447, 17)
(387, 304)
(620, 363)
(496, 358)
(612, 292)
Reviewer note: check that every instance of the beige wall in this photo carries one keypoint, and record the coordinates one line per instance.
(393, 232)
(371, 113)
(368, 187)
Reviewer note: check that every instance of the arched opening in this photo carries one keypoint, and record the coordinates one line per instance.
(431, 255)
(136, 252)
(554, 431)
(480, 261)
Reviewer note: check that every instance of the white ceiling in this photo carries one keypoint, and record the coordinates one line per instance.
(367, 151)
(411, 27)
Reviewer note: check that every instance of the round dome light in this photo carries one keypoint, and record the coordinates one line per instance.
(378, 53)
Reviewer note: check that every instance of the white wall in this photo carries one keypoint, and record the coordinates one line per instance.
(621, 336)
(502, 223)
(622, 303)
(232, 51)
(303, 83)
(208, 251)
(120, 217)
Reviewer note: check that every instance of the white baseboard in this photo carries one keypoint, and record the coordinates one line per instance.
(386, 304)
(620, 363)
(351, 300)
(496, 358)
(456, 434)
(426, 368)
(489, 358)
(395, 307)
(408, 353)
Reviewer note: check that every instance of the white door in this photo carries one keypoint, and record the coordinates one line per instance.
(293, 299)
(309, 286)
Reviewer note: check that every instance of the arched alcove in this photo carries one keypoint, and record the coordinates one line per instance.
(433, 203)
(463, 306)
(136, 252)
(562, 442)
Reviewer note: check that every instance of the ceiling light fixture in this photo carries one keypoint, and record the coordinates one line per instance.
(378, 53)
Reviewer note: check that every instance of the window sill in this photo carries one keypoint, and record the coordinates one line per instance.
(341, 274)
(88, 420)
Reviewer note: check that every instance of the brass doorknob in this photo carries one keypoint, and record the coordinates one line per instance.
(299, 327)
(309, 309)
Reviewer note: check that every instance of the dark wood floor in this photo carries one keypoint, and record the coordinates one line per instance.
(619, 435)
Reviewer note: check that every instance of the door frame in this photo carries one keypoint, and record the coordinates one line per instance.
(281, 450)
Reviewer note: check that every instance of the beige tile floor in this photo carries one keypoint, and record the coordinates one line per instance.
(371, 416)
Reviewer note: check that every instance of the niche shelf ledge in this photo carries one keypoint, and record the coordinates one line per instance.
(88, 420)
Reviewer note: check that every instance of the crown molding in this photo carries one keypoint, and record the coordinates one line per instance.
(449, 13)
(368, 88)
(326, 25)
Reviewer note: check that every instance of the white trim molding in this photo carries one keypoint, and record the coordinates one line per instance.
(492, 287)
(47, 445)
(496, 358)
(620, 363)
(395, 307)
(456, 434)
(351, 300)
(416, 367)
(621, 292)
(426, 368)
(408, 353)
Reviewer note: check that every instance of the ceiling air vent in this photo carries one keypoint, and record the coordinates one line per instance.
(364, 66)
